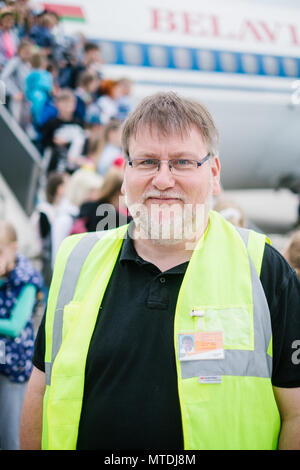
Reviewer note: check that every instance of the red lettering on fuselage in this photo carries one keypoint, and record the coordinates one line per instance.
(294, 34)
(273, 35)
(198, 24)
(163, 20)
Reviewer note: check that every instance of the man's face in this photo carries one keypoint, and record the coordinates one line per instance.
(188, 344)
(166, 198)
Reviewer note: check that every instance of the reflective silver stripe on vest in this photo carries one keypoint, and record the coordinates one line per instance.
(71, 274)
(255, 363)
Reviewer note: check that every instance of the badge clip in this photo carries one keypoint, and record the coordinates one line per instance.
(197, 313)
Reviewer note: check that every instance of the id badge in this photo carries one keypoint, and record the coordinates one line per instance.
(201, 345)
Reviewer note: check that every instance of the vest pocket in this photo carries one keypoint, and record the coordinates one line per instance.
(236, 323)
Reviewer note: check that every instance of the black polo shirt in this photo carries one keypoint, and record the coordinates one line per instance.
(131, 396)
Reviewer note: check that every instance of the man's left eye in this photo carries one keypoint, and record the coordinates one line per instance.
(182, 162)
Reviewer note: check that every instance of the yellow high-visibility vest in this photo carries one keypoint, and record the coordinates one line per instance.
(226, 402)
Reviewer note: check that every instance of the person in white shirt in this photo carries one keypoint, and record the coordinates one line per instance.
(83, 186)
(112, 147)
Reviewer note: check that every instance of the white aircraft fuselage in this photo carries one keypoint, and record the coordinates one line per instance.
(241, 58)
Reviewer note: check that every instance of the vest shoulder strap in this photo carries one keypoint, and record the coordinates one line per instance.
(67, 288)
(254, 243)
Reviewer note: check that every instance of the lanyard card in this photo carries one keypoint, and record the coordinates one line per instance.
(201, 345)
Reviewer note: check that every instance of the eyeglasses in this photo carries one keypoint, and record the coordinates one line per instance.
(177, 166)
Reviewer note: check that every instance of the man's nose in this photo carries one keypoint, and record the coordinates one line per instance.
(163, 178)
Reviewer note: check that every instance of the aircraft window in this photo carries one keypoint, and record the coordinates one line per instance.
(206, 60)
(228, 62)
(182, 58)
(270, 65)
(158, 56)
(290, 66)
(250, 64)
(108, 51)
(132, 54)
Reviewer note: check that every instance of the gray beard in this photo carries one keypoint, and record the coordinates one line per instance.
(187, 226)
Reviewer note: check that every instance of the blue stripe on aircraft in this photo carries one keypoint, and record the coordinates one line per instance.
(187, 58)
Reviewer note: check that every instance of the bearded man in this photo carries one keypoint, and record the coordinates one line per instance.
(109, 369)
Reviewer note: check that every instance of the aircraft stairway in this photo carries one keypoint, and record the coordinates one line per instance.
(20, 172)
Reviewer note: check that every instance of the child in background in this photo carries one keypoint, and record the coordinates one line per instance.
(108, 210)
(14, 76)
(64, 135)
(43, 217)
(93, 148)
(231, 211)
(292, 252)
(42, 33)
(106, 107)
(83, 186)
(87, 86)
(19, 285)
(125, 102)
(111, 147)
(9, 37)
(39, 85)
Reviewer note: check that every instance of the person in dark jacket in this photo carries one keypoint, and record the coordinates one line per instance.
(108, 211)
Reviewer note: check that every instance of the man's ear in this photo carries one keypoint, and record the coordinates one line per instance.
(216, 170)
(124, 183)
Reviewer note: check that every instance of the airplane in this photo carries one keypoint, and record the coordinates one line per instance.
(241, 58)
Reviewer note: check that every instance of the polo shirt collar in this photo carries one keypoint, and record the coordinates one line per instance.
(128, 253)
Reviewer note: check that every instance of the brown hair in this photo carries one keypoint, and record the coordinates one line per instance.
(292, 252)
(112, 184)
(112, 125)
(170, 114)
(53, 183)
(95, 145)
(65, 94)
(91, 46)
(25, 43)
(86, 78)
(38, 60)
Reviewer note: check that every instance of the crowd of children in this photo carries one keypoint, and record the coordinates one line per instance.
(56, 91)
